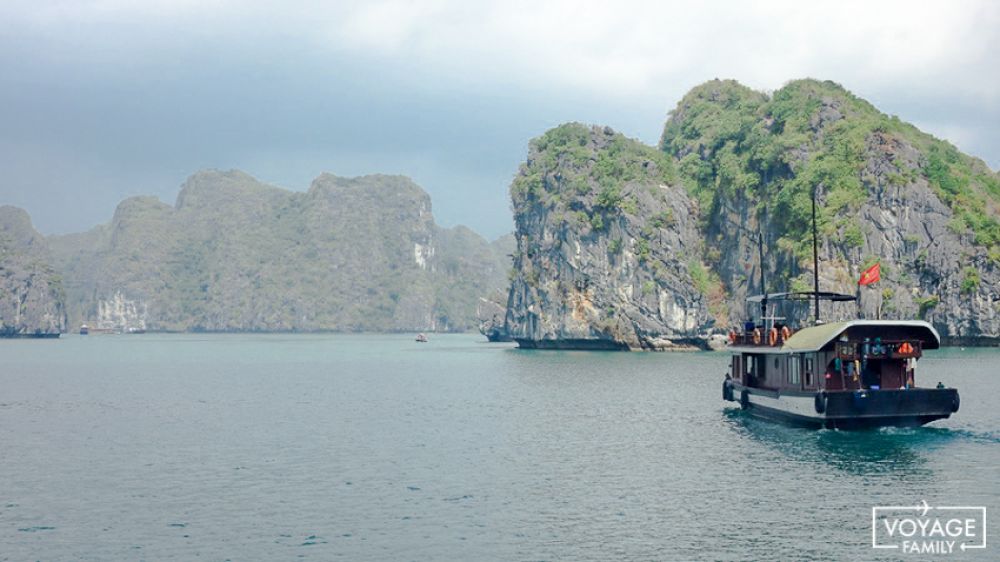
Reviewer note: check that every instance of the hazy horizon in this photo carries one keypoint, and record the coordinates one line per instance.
(103, 100)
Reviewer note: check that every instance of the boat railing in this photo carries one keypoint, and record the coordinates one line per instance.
(757, 336)
(884, 349)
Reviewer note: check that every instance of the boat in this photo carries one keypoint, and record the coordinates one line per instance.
(95, 330)
(852, 374)
(422, 338)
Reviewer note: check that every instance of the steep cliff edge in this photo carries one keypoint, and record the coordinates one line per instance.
(621, 245)
(235, 254)
(31, 294)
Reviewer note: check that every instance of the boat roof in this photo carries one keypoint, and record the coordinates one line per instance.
(803, 296)
(815, 338)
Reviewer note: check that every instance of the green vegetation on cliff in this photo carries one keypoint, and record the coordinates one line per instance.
(599, 213)
(733, 142)
(569, 167)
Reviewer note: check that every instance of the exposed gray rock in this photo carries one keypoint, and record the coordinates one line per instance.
(31, 294)
(120, 314)
(492, 313)
(603, 264)
(923, 257)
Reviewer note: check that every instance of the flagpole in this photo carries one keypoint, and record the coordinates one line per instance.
(858, 298)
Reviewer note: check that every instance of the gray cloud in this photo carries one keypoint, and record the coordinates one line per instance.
(100, 100)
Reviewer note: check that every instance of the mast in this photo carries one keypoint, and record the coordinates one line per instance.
(763, 286)
(815, 257)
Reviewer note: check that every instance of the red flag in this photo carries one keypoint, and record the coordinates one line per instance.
(871, 275)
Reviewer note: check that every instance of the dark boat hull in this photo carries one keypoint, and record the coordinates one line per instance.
(850, 409)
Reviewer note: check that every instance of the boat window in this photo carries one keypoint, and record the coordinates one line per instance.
(753, 366)
(794, 376)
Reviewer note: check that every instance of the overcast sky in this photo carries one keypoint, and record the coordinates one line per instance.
(100, 100)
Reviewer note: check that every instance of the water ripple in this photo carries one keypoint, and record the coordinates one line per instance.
(369, 447)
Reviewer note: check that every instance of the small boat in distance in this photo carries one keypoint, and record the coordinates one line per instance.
(422, 338)
(94, 330)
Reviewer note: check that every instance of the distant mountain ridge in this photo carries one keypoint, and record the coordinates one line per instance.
(623, 245)
(235, 254)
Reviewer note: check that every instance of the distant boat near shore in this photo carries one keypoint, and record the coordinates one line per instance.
(29, 336)
(87, 330)
(92, 330)
(422, 338)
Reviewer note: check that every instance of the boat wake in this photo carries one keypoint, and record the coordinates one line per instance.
(878, 450)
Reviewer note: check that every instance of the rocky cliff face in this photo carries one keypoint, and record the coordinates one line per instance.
(234, 254)
(31, 294)
(607, 247)
(885, 192)
(121, 314)
(625, 246)
(492, 314)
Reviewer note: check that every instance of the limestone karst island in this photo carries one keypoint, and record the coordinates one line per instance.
(617, 244)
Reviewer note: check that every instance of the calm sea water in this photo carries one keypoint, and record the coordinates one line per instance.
(233, 447)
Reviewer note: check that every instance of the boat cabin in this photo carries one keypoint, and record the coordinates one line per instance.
(851, 355)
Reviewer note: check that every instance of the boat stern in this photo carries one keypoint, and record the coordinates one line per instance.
(876, 408)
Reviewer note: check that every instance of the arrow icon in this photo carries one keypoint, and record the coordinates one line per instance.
(926, 507)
